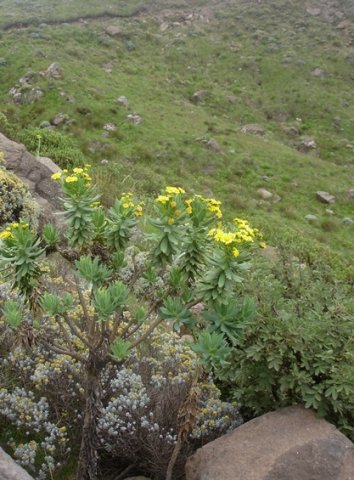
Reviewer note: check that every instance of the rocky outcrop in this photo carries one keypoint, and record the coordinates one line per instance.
(292, 443)
(9, 470)
(33, 172)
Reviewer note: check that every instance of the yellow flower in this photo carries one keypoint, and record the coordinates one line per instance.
(170, 221)
(56, 176)
(78, 170)
(189, 210)
(71, 179)
(174, 190)
(235, 252)
(6, 234)
(163, 199)
(262, 244)
(173, 204)
(178, 213)
(139, 211)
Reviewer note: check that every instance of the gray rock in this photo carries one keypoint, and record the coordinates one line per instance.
(36, 174)
(264, 194)
(307, 144)
(123, 101)
(199, 96)
(110, 127)
(351, 194)
(213, 145)
(3, 62)
(289, 444)
(253, 129)
(291, 131)
(114, 31)
(59, 119)
(318, 73)
(310, 218)
(9, 470)
(54, 71)
(347, 221)
(135, 119)
(44, 124)
(329, 211)
(325, 197)
(313, 11)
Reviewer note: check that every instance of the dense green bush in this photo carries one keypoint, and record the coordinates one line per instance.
(297, 349)
(53, 144)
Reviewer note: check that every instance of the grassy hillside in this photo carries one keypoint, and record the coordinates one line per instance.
(257, 62)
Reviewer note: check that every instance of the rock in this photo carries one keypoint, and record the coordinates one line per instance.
(107, 67)
(104, 162)
(139, 477)
(351, 194)
(199, 96)
(347, 221)
(59, 119)
(187, 338)
(123, 101)
(254, 129)
(114, 31)
(36, 174)
(233, 99)
(35, 94)
(53, 71)
(213, 145)
(307, 144)
(318, 73)
(291, 131)
(325, 197)
(329, 211)
(9, 470)
(3, 62)
(264, 194)
(135, 119)
(313, 11)
(310, 218)
(44, 124)
(345, 24)
(289, 444)
(110, 127)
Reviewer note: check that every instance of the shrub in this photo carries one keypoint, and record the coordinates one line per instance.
(58, 147)
(298, 348)
(95, 324)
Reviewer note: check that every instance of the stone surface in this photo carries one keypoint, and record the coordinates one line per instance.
(123, 101)
(199, 96)
(310, 217)
(254, 129)
(59, 119)
(53, 71)
(135, 119)
(318, 73)
(348, 221)
(264, 194)
(325, 197)
(35, 173)
(307, 144)
(113, 31)
(290, 444)
(9, 470)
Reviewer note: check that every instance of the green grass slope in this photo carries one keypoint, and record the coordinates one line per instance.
(256, 61)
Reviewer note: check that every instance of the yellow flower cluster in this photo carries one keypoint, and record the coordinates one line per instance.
(244, 234)
(126, 200)
(213, 205)
(8, 232)
(77, 174)
(174, 191)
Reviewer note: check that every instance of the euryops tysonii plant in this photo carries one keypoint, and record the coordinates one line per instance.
(184, 261)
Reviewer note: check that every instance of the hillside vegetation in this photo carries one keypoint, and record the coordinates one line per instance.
(257, 62)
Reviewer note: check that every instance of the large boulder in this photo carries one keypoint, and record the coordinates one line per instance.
(289, 444)
(9, 470)
(36, 173)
